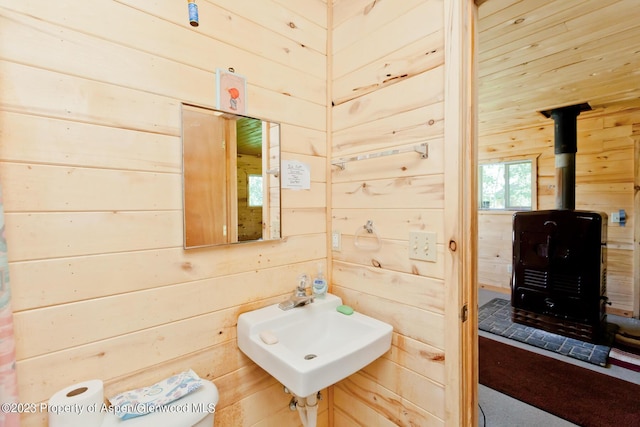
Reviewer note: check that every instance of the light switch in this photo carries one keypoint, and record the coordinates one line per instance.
(336, 240)
(422, 246)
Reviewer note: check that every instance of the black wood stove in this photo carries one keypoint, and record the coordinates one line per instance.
(559, 256)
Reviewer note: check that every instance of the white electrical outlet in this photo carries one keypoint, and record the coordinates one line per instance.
(336, 241)
(422, 246)
(615, 217)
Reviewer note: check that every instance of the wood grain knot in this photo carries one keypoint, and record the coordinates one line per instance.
(369, 7)
(453, 245)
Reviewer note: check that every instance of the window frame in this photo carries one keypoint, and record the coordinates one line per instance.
(249, 176)
(533, 160)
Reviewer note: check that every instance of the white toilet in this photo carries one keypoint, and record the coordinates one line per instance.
(192, 410)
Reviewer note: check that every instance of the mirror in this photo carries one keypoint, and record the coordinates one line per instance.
(230, 176)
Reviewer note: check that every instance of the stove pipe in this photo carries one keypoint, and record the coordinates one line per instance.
(566, 146)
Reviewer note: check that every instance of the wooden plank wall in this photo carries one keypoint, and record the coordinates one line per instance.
(90, 164)
(388, 92)
(605, 174)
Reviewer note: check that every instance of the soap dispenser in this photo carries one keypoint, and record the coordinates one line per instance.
(319, 283)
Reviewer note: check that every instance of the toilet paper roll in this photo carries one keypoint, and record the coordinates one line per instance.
(79, 405)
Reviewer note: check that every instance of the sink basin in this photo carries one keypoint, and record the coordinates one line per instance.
(316, 346)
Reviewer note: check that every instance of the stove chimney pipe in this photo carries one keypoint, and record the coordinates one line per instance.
(566, 146)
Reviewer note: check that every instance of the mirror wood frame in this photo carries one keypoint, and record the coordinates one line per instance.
(219, 152)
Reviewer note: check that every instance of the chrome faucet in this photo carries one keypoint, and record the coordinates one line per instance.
(299, 296)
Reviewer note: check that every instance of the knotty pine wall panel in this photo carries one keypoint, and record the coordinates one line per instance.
(605, 168)
(388, 92)
(90, 164)
(418, 125)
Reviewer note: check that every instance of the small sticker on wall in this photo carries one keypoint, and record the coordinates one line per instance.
(231, 91)
(296, 175)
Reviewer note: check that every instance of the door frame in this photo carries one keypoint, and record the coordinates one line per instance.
(460, 165)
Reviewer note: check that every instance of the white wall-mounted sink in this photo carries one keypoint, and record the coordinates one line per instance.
(316, 346)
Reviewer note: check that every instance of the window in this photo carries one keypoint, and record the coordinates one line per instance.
(255, 190)
(507, 185)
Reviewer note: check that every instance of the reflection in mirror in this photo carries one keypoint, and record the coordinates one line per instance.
(231, 186)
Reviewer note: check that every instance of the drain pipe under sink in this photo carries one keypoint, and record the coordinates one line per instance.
(307, 409)
(302, 410)
(312, 410)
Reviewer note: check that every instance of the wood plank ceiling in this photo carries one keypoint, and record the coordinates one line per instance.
(536, 55)
(249, 136)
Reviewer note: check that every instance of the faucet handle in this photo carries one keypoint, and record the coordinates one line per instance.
(303, 281)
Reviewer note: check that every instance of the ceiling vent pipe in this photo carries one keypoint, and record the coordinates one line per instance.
(566, 146)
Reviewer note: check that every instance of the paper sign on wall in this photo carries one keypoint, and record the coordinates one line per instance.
(231, 91)
(296, 175)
